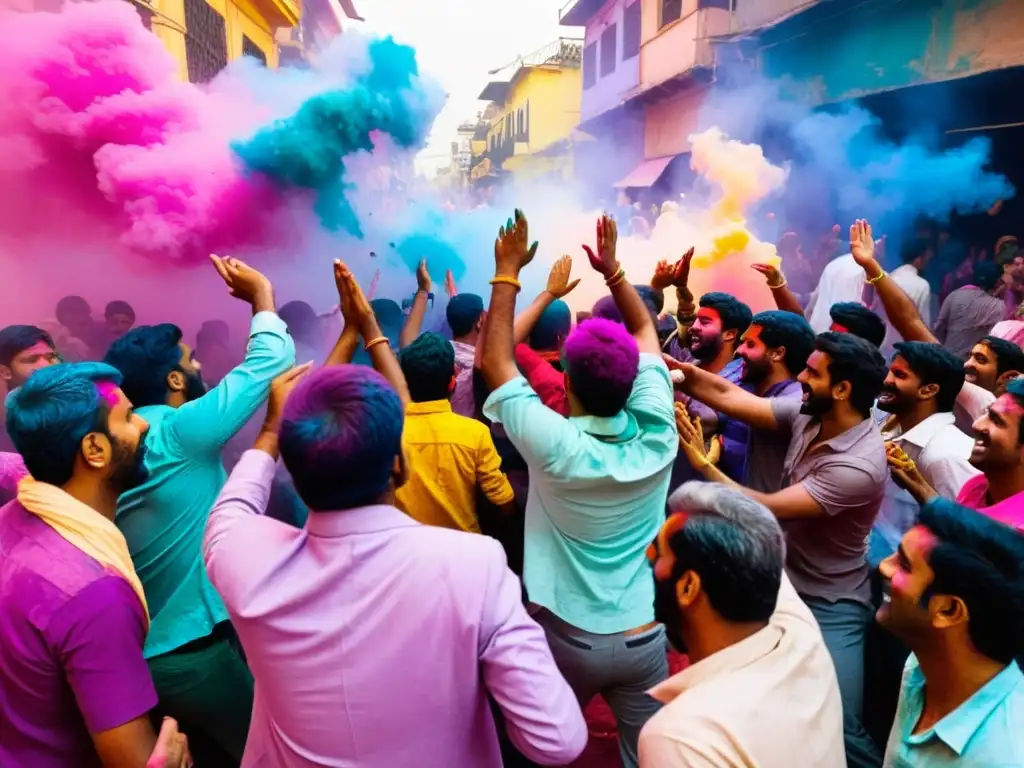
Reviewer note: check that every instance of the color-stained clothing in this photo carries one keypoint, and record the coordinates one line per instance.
(768, 701)
(463, 401)
(825, 555)
(163, 519)
(983, 732)
(450, 457)
(974, 495)
(546, 380)
(596, 501)
(12, 469)
(967, 315)
(381, 639)
(71, 637)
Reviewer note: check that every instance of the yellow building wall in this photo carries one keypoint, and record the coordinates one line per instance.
(555, 96)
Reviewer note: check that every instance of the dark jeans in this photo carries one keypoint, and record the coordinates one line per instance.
(207, 687)
(844, 626)
(884, 659)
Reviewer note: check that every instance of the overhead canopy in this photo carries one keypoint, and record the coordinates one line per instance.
(646, 174)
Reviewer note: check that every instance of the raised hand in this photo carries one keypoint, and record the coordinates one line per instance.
(423, 282)
(663, 274)
(512, 249)
(244, 282)
(558, 279)
(281, 387)
(772, 275)
(862, 244)
(681, 270)
(691, 440)
(449, 285)
(354, 306)
(605, 261)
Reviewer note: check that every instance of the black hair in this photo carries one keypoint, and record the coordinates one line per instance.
(789, 330)
(213, 332)
(300, 318)
(981, 561)
(986, 274)
(389, 318)
(735, 314)
(145, 356)
(859, 320)
(853, 359)
(654, 299)
(914, 248)
(1009, 357)
(70, 306)
(118, 307)
(605, 308)
(428, 365)
(463, 312)
(934, 364)
(15, 339)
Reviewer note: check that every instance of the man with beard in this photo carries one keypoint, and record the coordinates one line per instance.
(955, 595)
(725, 600)
(200, 675)
(73, 615)
(832, 486)
(774, 351)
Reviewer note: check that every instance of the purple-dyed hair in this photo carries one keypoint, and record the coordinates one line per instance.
(341, 431)
(601, 360)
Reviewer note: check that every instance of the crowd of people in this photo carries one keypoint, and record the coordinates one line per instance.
(789, 538)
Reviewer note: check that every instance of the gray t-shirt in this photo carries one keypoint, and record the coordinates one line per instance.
(766, 451)
(826, 557)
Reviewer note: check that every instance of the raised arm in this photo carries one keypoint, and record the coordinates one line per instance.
(414, 322)
(899, 307)
(559, 286)
(784, 298)
(724, 396)
(634, 312)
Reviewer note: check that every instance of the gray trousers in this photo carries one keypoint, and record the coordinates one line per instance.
(622, 668)
(844, 626)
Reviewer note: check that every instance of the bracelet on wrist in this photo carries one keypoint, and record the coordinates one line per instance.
(374, 342)
(507, 280)
(780, 284)
(876, 278)
(615, 279)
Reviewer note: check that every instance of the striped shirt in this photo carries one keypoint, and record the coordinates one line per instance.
(966, 316)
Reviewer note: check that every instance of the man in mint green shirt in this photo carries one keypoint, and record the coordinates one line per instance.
(954, 593)
(598, 485)
(200, 675)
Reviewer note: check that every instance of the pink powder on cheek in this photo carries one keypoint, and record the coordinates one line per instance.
(900, 581)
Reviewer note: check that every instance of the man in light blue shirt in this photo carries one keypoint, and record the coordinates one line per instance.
(200, 676)
(598, 485)
(954, 592)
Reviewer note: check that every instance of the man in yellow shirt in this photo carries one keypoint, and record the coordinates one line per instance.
(449, 456)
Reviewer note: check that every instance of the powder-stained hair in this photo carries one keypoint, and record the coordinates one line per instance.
(145, 356)
(858, 320)
(552, 327)
(736, 315)
(734, 544)
(428, 365)
(463, 312)
(601, 360)
(605, 308)
(49, 416)
(341, 431)
(15, 339)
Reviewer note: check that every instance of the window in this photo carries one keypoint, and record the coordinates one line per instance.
(671, 10)
(589, 66)
(249, 48)
(608, 52)
(631, 31)
(206, 45)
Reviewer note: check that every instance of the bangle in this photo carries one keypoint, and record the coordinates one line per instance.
(504, 280)
(876, 278)
(782, 284)
(374, 342)
(615, 279)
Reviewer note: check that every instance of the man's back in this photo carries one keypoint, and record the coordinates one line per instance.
(375, 640)
(841, 280)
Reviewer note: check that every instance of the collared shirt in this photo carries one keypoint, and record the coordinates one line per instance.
(983, 732)
(766, 448)
(941, 452)
(826, 555)
(380, 639)
(1010, 511)
(71, 635)
(450, 456)
(597, 499)
(967, 315)
(918, 291)
(769, 701)
(163, 518)
(463, 401)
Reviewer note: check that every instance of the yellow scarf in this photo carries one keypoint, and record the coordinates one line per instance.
(82, 527)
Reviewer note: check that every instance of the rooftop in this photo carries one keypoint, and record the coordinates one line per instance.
(563, 53)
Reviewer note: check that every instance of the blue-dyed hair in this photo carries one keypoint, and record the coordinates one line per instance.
(552, 327)
(428, 365)
(981, 561)
(788, 330)
(463, 312)
(605, 308)
(49, 416)
(734, 313)
(145, 356)
(934, 364)
(340, 433)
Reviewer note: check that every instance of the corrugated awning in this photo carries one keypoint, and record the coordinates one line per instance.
(645, 174)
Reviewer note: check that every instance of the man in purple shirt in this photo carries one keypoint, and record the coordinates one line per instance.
(74, 686)
(374, 640)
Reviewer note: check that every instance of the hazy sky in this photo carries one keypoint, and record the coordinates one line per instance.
(458, 41)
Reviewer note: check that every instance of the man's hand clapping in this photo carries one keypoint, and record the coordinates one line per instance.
(354, 306)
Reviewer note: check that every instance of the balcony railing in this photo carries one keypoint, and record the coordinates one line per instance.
(564, 52)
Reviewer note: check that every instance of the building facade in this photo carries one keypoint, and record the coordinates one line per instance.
(533, 115)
